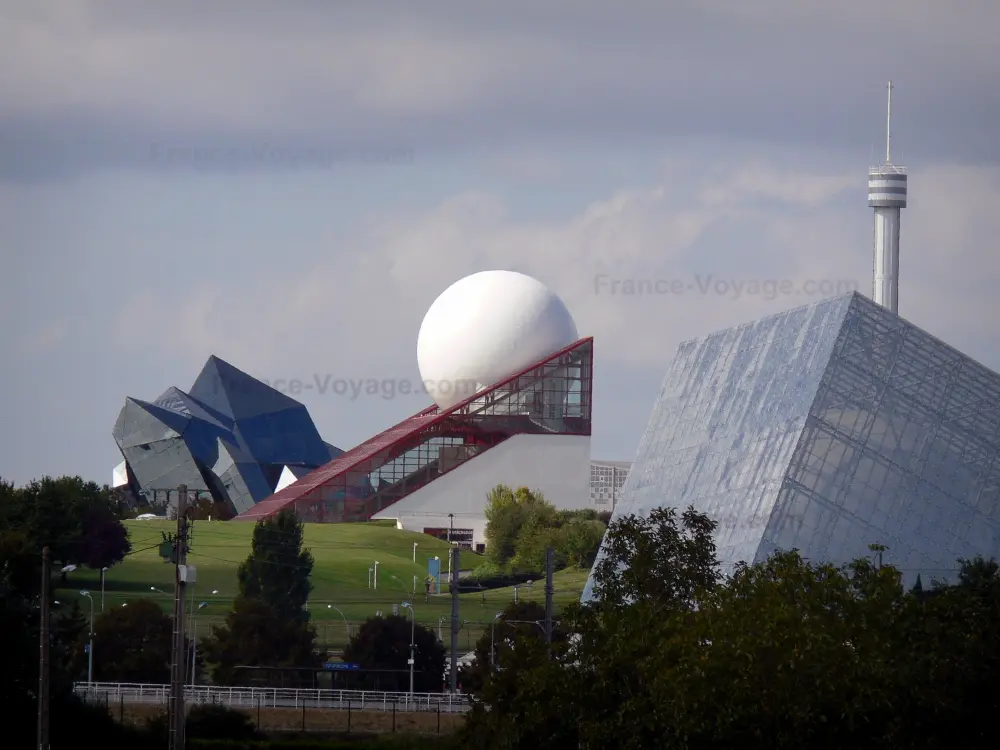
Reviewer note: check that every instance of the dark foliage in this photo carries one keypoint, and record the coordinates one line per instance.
(665, 559)
(269, 624)
(277, 570)
(782, 654)
(131, 644)
(397, 742)
(516, 624)
(254, 635)
(213, 722)
(79, 521)
(384, 643)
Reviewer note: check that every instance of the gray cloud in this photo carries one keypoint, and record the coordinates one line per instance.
(642, 141)
(93, 85)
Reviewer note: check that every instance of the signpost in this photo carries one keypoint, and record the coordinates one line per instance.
(339, 666)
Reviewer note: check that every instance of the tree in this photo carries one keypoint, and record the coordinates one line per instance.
(77, 520)
(269, 624)
(520, 621)
(132, 643)
(663, 558)
(507, 511)
(384, 643)
(582, 541)
(278, 568)
(254, 635)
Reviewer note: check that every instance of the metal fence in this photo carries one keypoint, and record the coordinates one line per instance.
(260, 697)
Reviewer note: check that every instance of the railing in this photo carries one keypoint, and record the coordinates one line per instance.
(886, 170)
(261, 697)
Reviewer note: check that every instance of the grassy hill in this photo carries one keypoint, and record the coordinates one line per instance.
(343, 554)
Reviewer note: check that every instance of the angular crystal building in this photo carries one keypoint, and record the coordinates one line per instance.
(825, 429)
(231, 437)
(432, 471)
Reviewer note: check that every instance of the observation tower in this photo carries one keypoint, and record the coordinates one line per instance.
(887, 195)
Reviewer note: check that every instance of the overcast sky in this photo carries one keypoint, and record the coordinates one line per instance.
(290, 185)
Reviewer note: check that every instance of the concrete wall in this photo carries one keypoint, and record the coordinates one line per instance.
(556, 465)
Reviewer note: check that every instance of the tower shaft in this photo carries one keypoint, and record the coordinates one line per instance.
(887, 195)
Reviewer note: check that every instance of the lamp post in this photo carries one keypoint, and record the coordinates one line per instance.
(104, 570)
(414, 553)
(375, 574)
(194, 639)
(347, 625)
(413, 625)
(90, 642)
(493, 626)
(451, 525)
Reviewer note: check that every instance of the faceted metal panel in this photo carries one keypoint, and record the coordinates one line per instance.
(235, 394)
(231, 436)
(826, 429)
(282, 437)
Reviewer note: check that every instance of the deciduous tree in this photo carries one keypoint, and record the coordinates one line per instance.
(384, 643)
(254, 635)
(132, 643)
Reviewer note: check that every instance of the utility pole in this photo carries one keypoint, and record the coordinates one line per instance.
(548, 597)
(43, 656)
(178, 659)
(453, 672)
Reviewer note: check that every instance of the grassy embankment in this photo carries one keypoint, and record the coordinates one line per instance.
(343, 554)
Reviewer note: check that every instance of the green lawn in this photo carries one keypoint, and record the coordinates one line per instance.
(343, 554)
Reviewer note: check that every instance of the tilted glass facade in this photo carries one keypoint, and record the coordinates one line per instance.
(826, 429)
(551, 397)
(607, 478)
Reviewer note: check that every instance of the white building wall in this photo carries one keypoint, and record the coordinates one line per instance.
(556, 465)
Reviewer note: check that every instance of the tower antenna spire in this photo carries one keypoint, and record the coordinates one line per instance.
(888, 127)
(887, 195)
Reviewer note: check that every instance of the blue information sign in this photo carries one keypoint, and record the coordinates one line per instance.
(339, 666)
(434, 573)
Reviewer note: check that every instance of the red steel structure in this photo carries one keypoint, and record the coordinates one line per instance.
(552, 396)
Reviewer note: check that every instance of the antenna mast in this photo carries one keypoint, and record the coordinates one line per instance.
(887, 195)
(888, 128)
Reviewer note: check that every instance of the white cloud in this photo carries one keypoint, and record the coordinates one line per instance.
(364, 306)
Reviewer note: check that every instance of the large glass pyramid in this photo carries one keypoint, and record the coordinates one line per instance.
(825, 429)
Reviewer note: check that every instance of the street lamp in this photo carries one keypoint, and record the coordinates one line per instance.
(375, 574)
(414, 552)
(90, 644)
(103, 571)
(451, 525)
(158, 591)
(194, 638)
(493, 626)
(413, 626)
(347, 625)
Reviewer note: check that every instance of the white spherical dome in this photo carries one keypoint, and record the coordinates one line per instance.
(485, 328)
